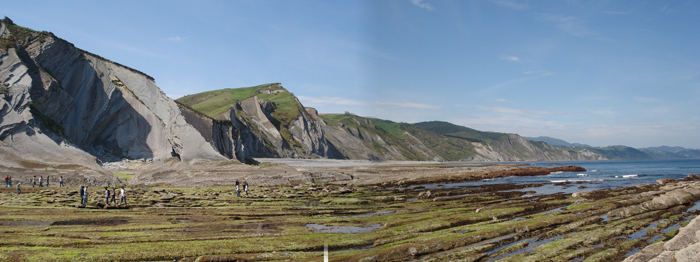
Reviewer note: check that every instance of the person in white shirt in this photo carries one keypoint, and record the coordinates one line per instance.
(122, 196)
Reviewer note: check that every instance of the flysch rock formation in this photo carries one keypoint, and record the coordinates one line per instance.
(517, 148)
(64, 105)
(363, 140)
(684, 246)
(247, 130)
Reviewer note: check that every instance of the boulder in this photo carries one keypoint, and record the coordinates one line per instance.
(424, 195)
(167, 197)
(664, 181)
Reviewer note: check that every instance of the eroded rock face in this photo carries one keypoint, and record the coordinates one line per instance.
(517, 148)
(60, 95)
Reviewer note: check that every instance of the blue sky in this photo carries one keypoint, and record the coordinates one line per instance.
(595, 72)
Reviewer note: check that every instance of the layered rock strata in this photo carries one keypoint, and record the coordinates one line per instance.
(56, 95)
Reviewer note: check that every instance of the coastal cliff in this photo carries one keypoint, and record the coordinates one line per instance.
(70, 104)
(269, 121)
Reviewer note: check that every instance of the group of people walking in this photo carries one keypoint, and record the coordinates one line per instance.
(34, 180)
(110, 196)
(238, 189)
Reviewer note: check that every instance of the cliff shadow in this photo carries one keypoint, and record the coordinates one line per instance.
(97, 120)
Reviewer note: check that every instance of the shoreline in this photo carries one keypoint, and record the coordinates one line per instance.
(360, 221)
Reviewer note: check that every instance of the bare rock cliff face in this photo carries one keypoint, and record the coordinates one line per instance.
(516, 148)
(97, 106)
(363, 140)
(250, 130)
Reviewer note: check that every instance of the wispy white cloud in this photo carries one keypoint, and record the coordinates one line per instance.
(421, 4)
(571, 25)
(318, 101)
(501, 100)
(176, 38)
(510, 4)
(507, 83)
(510, 58)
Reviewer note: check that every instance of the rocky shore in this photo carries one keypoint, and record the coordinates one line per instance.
(361, 213)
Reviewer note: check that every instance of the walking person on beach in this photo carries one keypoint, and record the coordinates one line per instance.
(82, 195)
(47, 180)
(238, 189)
(85, 195)
(122, 196)
(114, 195)
(34, 181)
(7, 181)
(19, 190)
(41, 181)
(107, 196)
(60, 181)
(245, 187)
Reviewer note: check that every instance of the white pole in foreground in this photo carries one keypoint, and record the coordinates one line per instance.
(325, 252)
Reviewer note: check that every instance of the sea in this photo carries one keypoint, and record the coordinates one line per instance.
(599, 175)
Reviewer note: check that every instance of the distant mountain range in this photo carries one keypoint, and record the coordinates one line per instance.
(624, 152)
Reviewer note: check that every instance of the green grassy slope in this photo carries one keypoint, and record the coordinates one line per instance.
(390, 133)
(452, 130)
(217, 102)
(396, 134)
(620, 152)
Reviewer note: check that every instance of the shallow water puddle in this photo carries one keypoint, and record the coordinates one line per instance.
(342, 229)
(696, 206)
(641, 233)
(25, 223)
(488, 253)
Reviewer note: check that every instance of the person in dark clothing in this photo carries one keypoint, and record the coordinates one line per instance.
(107, 195)
(114, 195)
(238, 189)
(34, 181)
(19, 190)
(60, 181)
(7, 181)
(47, 180)
(82, 193)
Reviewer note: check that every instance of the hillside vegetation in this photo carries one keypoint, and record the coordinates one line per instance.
(452, 130)
(217, 102)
